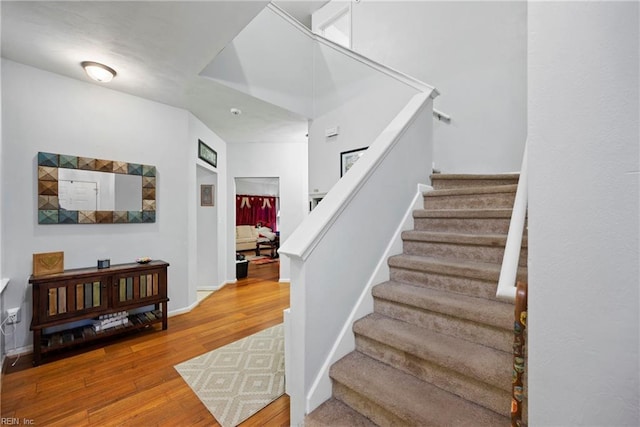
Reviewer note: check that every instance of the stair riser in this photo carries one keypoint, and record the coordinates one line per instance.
(464, 225)
(470, 201)
(442, 184)
(461, 285)
(365, 406)
(489, 336)
(488, 395)
(334, 413)
(454, 251)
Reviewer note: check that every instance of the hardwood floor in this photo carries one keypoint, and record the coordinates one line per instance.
(131, 381)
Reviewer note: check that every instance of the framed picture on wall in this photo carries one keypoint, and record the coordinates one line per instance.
(349, 158)
(207, 154)
(206, 195)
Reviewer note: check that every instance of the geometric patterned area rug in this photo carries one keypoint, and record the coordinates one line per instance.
(237, 380)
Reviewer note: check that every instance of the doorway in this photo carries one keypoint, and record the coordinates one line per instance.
(333, 21)
(257, 214)
(208, 271)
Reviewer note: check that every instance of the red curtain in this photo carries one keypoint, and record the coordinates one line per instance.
(251, 210)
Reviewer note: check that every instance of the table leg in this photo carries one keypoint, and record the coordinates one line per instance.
(37, 353)
(164, 316)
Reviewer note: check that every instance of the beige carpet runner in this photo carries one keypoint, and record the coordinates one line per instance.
(237, 380)
(437, 349)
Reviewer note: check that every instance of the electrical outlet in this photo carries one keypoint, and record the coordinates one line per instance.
(13, 315)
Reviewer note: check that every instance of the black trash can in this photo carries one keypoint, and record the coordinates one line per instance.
(242, 268)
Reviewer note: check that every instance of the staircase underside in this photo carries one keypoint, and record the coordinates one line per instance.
(436, 351)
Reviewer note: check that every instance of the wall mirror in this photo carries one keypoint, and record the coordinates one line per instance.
(82, 190)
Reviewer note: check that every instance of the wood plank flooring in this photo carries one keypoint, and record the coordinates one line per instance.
(131, 381)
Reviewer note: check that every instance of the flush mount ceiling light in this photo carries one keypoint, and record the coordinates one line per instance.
(98, 72)
(236, 111)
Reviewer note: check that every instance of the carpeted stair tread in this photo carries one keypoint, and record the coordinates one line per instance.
(493, 197)
(460, 247)
(458, 238)
(334, 413)
(478, 270)
(509, 188)
(415, 402)
(487, 365)
(462, 213)
(468, 220)
(453, 381)
(484, 311)
(475, 177)
(461, 285)
(441, 181)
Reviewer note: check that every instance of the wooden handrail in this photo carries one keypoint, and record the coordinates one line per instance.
(519, 357)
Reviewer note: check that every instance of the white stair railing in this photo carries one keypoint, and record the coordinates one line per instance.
(509, 271)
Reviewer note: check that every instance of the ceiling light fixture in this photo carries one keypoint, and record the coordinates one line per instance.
(98, 72)
(236, 111)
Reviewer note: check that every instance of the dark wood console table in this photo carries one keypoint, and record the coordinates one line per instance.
(87, 293)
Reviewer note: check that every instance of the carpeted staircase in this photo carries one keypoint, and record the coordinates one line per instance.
(437, 349)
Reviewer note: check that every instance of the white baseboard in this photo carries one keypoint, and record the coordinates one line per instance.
(284, 280)
(216, 288)
(20, 351)
(195, 304)
(183, 310)
(345, 343)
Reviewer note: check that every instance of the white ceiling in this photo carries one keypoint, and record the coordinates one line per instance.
(158, 49)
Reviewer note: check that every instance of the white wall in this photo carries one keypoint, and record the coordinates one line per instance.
(207, 247)
(334, 252)
(583, 215)
(475, 54)
(47, 112)
(286, 161)
(207, 233)
(359, 100)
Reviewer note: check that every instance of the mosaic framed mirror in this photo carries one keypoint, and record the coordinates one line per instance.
(83, 190)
